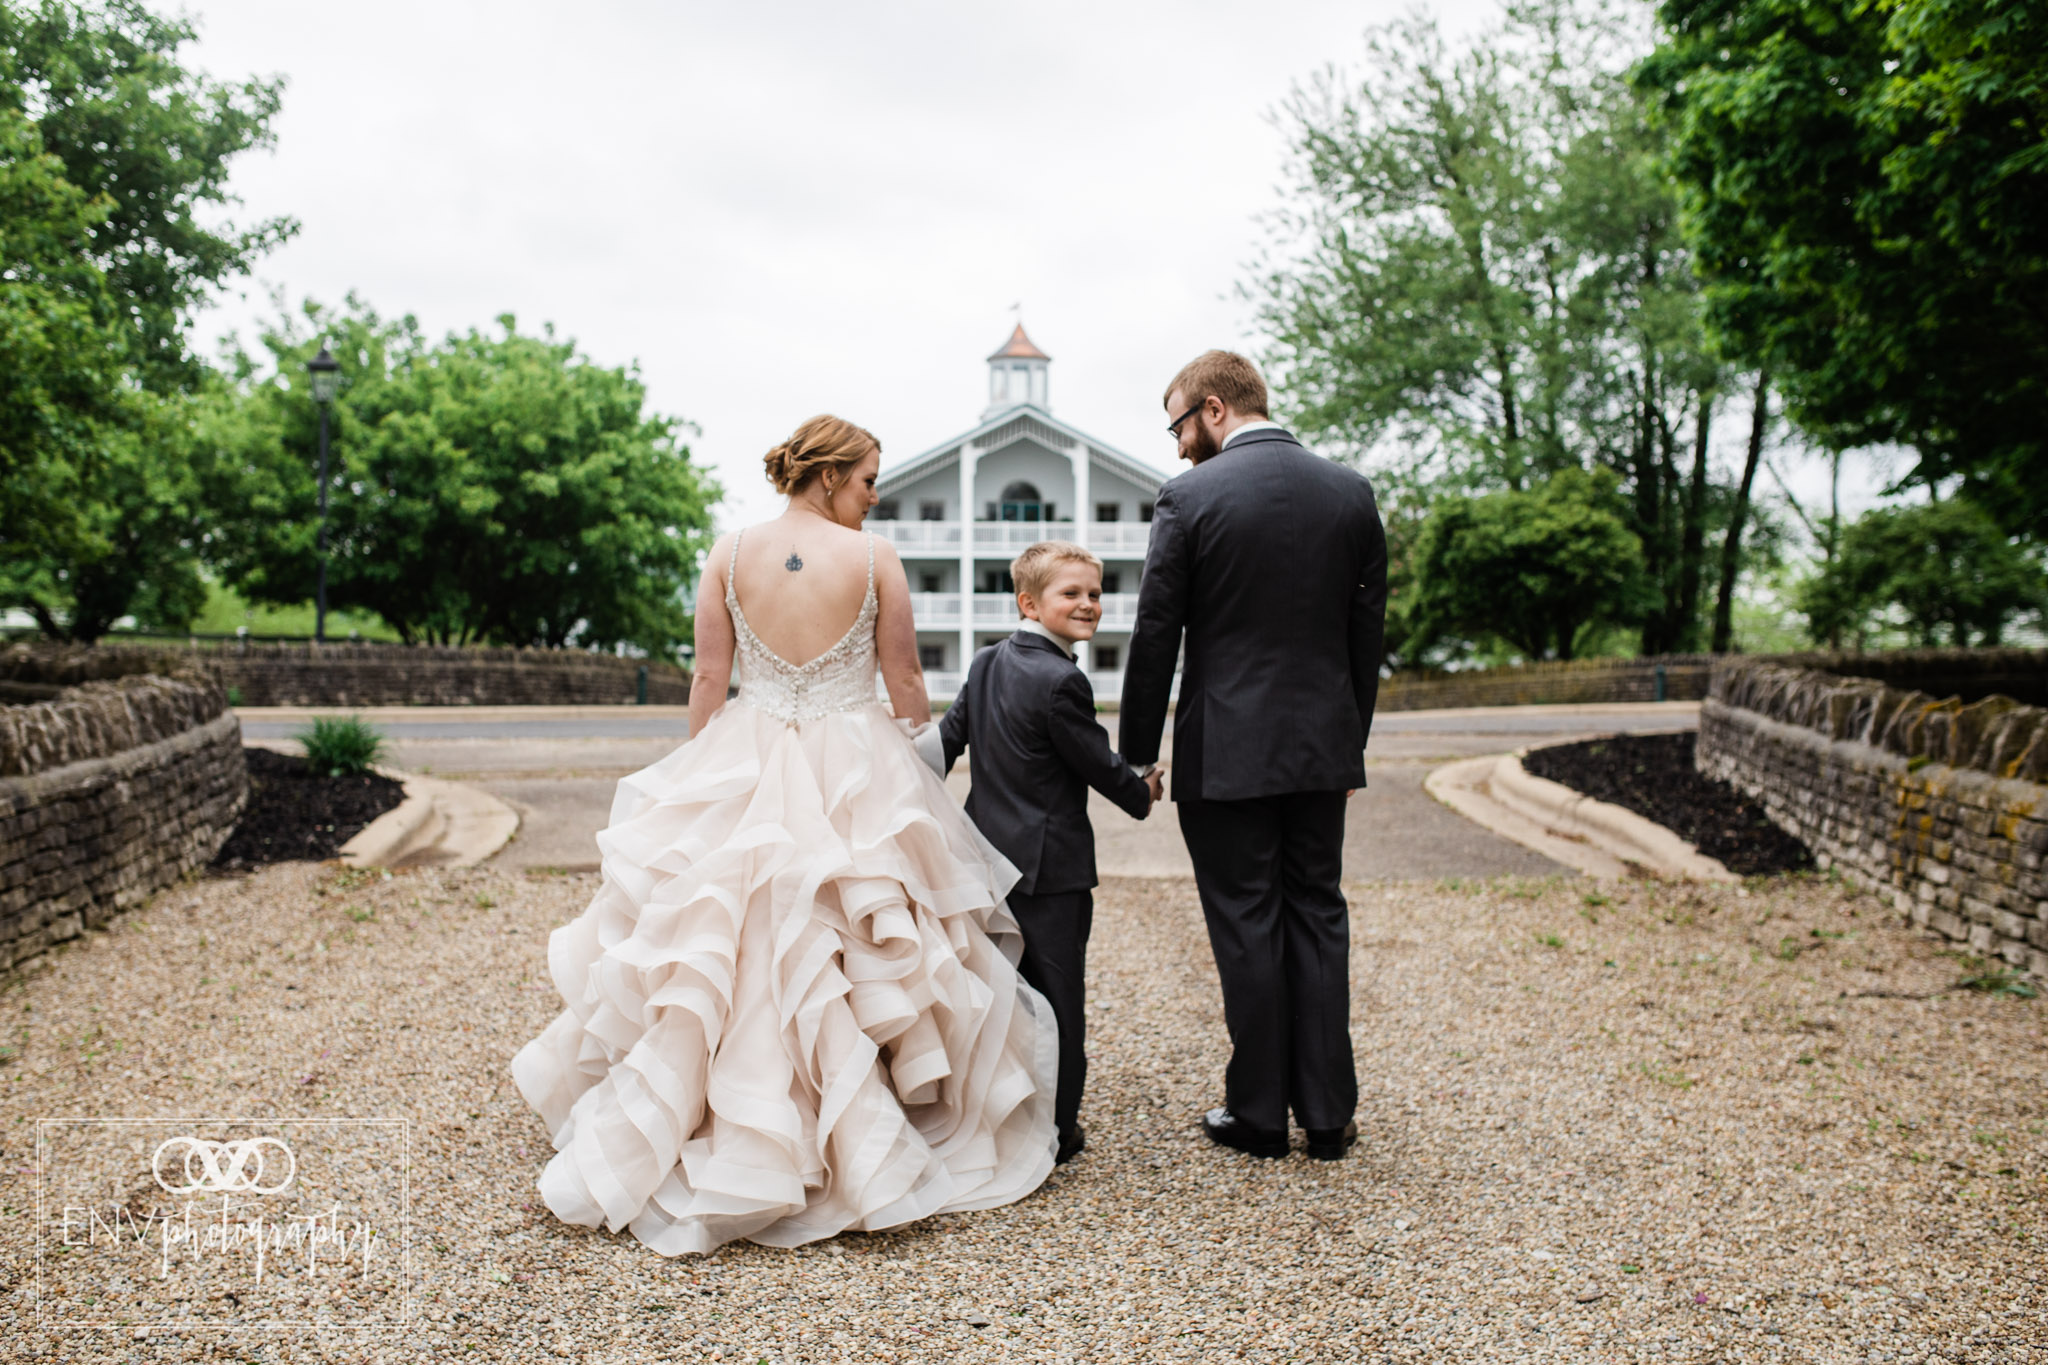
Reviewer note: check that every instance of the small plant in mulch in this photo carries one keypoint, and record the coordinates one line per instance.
(1653, 775)
(297, 814)
(1999, 981)
(341, 746)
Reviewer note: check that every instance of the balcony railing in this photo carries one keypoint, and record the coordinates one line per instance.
(1119, 610)
(935, 610)
(1002, 539)
(1008, 537)
(921, 537)
(941, 610)
(1107, 684)
(1118, 537)
(995, 609)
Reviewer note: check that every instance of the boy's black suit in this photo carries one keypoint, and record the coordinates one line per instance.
(1029, 715)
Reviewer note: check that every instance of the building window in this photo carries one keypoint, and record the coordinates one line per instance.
(928, 582)
(997, 580)
(1112, 582)
(1020, 502)
(1144, 511)
(931, 509)
(1105, 657)
(1106, 511)
(885, 510)
(931, 657)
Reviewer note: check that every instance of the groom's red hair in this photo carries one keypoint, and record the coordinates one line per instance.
(1225, 375)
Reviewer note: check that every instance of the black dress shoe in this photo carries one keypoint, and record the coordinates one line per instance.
(1227, 1129)
(1072, 1140)
(1330, 1144)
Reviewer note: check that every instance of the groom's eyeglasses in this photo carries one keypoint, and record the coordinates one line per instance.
(1173, 430)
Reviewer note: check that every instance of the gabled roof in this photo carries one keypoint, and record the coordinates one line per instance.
(1019, 347)
(917, 466)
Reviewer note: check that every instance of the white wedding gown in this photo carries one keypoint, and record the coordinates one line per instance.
(793, 1008)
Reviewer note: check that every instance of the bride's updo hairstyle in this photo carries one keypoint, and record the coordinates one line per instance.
(825, 442)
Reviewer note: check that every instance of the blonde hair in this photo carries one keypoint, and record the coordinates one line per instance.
(825, 442)
(1033, 570)
(1225, 375)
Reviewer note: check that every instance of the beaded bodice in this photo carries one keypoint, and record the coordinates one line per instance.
(840, 679)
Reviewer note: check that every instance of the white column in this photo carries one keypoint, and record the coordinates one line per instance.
(1083, 510)
(967, 457)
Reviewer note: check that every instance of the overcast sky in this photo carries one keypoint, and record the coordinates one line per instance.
(783, 209)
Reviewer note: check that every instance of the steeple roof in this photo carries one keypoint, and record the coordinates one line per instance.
(1020, 348)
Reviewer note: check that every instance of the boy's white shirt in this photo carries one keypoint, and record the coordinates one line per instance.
(1039, 628)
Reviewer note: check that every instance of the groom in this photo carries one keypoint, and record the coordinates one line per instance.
(1273, 563)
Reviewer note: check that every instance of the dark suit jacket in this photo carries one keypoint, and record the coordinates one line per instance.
(1029, 715)
(1274, 564)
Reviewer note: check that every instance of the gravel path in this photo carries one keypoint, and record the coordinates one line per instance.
(1693, 1124)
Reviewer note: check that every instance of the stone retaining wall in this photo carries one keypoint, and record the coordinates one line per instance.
(1970, 674)
(1581, 680)
(111, 787)
(377, 674)
(1939, 804)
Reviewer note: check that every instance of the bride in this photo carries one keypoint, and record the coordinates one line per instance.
(793, 1007)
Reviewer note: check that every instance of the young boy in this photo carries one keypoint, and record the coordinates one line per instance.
(1029, 715)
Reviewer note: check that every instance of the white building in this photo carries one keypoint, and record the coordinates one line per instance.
(960, 512)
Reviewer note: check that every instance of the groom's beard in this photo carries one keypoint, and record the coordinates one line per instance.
(1203, 446)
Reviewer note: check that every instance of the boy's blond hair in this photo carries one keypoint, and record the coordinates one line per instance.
(1032, 571)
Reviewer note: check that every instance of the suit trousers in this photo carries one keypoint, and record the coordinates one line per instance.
(1267, 870)
(1055, 964)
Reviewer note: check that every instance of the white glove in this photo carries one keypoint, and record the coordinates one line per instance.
(931, 747)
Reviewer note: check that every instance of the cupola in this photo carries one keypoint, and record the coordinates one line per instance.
(1017, 375)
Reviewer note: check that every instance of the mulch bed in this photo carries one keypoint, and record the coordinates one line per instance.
(294, 815)
(1653, 776)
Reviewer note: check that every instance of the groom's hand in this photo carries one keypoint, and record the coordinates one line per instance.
(1155, 783)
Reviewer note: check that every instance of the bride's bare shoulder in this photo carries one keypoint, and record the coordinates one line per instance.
(718, 556)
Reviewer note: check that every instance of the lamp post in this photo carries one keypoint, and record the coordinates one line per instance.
(326, 375)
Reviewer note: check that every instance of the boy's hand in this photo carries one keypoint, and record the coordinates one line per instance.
(1156, 784)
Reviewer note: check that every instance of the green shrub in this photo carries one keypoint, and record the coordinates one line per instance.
(341, 746)
(1999, 981)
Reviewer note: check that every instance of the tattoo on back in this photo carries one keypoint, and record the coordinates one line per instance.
(794, 562)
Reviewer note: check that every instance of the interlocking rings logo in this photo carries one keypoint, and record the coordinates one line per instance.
(224, 1166)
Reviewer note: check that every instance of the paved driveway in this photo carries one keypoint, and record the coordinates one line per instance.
(558, 766)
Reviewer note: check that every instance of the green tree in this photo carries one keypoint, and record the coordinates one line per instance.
(488, 488)
(1538, 568)
(97, 516)
(1478, 266)
(1865, 186)
(125, 539)
(59, 377)
(150, 142)
(1954, 576)
(112, 157)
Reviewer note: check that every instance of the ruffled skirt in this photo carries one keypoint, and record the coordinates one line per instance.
(793, 1008)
